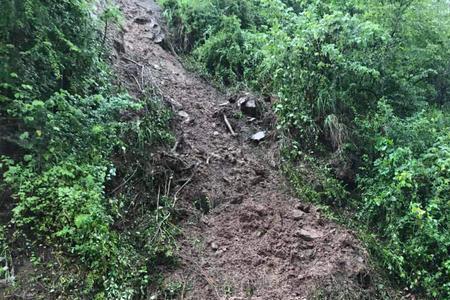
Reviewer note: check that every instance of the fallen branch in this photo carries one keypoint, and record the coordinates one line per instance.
(142, 77)
(133, 61)
(175, 199)
(177, 143)
(124, 182)
(137, 82)
(229, 125)
(200, 270)
(140, 85)
(208, 159)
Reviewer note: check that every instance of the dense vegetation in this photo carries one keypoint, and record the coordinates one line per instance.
(75, 157)
(362, 84)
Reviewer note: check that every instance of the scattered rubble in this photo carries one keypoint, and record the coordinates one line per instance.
(256, 235)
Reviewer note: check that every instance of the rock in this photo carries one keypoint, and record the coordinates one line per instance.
(259, 136)
(149, 36)
(308, 234)
(303, 207)
(142, 20)
(297, 215)
(249, 106)
(175, 104)
(183, 114)
(118, 45)
(214, 246)
(159, 39)
(215, 133)
(260, 209)
(260, 172)
(237, 199)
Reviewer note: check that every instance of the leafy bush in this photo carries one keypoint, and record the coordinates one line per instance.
(60, 185)
(193, 21)
(223, 55)
(73, 143)
(406, 193)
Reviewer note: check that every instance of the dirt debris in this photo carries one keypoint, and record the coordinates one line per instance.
(244, 236)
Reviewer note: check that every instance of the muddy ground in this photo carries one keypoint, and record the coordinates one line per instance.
(244, 236)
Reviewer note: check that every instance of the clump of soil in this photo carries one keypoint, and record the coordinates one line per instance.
(244, 236)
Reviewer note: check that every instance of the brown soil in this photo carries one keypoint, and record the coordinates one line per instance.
(243, 235)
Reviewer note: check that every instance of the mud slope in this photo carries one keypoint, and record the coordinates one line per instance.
(243, 235)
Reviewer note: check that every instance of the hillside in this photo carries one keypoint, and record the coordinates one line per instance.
(224, 150)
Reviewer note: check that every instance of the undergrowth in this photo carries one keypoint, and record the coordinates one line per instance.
(80, 159)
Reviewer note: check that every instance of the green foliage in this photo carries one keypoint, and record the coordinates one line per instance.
(406, 193)
(110, 15)
(60, 187)
(193, 21)
(53, 44)
(222, 54)
(74, 146)
(312, 178)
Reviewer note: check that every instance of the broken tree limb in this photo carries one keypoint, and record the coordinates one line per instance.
(229, 125)
(133, 61)
(175, 199)
(137, 82)
(174, 148)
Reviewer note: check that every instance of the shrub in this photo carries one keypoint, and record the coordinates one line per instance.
(60, 185)
(406, 196)
(73, 140)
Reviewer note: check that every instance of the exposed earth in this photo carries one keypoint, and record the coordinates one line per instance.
(243, 235)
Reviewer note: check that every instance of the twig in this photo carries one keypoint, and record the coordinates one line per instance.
(158, 229)
(133, 61)
(229, 125)
(177, 143)
(208, 159)
(183, 290)
(125, 182)
(157, 203)
(137, 82)
(184, 185)
(142, 77)
(174, 53)
(140, 85)
(208, 279)
(169, 183)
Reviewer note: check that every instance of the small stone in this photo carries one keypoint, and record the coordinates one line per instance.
(142, 20)
(307, 234)
(237, 199)
(260, 172)
(259, 136)
(183, 114)
(303, 207)
(215, 133)
(297, 215)
(119, 46)
(248, 105)
(214, 246)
